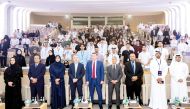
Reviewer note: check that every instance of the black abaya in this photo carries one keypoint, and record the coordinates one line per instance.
(13, 97)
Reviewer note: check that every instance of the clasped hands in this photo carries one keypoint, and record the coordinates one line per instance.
(75, 80)
(134, 78)
(159, 80)
(34, 80)
(10, 84)
(114, 81)
(57, 81)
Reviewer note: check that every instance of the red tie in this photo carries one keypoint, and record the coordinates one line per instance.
(93, 71)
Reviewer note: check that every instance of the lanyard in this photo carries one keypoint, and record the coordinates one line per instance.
(158, 63)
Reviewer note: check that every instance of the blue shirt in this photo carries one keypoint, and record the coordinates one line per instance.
(133, 65)
(83, 57)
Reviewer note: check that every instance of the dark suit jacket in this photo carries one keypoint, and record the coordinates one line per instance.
(117, 75)
(99, 71)
(3, 49)
(130, 73)
(79, 74)
(153, 33)
(37, 72)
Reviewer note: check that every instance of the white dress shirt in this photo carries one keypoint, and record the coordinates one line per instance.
(144, 57)
(76, 67)
(25, 41)
(58, 51)
(14, 42)
(68, 54)
(44, 52)
(102, 48)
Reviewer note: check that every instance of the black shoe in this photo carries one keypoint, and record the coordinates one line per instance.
(118, 107)
(109, 107)
(101, 107)
(72, 107)
(140, 102)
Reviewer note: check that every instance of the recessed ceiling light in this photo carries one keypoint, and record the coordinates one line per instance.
(129, 16)
(67, 16)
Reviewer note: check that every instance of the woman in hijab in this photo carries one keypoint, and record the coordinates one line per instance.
(51, 58)
(20, 59)
(179, 72)
(57, 71)
(12, 78)
(7, 41)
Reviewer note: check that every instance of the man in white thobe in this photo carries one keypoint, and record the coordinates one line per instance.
(182, 46)
(59, 50)
(144, 57)
(90, 48)
(179, 72)
(44, 51)
(173, 46)
(164, 51)
(158, 70)
(103, 46)
(114, 54)
(112, 45)
(150, 48)
(14, 42)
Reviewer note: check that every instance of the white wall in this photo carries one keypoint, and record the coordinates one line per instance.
(3, 19)
(179, 17)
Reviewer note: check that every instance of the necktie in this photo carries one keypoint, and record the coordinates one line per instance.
(36, 65)
(133, 67)
(114, 68)
(93, 70)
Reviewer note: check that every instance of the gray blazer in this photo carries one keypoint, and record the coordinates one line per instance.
(117, 75)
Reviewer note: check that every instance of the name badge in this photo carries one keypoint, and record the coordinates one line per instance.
(159, 73)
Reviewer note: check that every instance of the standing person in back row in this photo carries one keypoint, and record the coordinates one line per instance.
(164, 52)
(134, 73)
(36, 76)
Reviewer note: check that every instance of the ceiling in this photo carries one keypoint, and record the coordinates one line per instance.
(102, 7)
